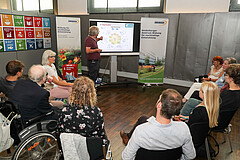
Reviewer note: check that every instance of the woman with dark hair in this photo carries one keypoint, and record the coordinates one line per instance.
(215, 73)
(82, 115)
(231, 97)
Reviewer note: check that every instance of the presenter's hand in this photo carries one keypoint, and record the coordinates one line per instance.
(99, 50)
(101, 38)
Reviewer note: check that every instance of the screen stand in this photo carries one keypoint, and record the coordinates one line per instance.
(113, 71)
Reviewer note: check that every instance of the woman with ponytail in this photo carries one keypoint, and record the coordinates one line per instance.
(81, 115)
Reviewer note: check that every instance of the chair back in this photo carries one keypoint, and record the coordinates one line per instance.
(199, 132)
(224, 119)
(169, 154)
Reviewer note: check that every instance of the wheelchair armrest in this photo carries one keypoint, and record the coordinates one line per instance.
(36, 119)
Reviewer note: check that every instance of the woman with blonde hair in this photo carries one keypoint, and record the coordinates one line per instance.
(82, 115)
(208, 109)
(61, 89)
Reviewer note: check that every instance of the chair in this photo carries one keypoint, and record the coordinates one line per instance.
(169, 154)
(85, 147)
(199, 132)
(224, 125)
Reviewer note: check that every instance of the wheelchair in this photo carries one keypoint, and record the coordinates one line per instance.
(40, 140)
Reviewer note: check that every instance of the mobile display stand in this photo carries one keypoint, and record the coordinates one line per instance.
(70, 69)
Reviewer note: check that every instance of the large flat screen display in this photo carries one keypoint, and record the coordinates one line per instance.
(118, 36)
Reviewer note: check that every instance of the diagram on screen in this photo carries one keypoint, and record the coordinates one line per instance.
(116, 36)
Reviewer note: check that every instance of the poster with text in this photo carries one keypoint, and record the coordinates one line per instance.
(47, 42)
(31, 44)
(7, 20)
(8, 32)
(39, 43)
(10, 45)
(18, 21)
(19, 32)
(68, 41)
(21, 44)
(153, 42)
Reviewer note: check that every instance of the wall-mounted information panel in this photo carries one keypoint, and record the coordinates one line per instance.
(19, 32)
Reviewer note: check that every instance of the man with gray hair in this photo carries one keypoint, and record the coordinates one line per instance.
(30, 97)
(93, 53)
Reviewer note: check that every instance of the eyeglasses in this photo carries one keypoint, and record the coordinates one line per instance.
(51, 57)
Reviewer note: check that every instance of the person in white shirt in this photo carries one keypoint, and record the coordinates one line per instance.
(161, 133)
(61, 88)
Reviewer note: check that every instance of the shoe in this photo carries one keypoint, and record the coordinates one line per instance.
(124, 137)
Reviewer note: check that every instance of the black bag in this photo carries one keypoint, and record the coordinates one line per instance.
(201, 150)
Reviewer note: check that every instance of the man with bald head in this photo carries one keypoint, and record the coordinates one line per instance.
(30, 97)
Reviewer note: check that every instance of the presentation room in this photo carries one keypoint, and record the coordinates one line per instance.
(129, 79)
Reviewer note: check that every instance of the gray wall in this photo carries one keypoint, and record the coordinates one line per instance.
(193, 40)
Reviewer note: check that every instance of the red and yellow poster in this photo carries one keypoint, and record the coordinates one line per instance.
(7, 20)
(38, 32)
(20, 33)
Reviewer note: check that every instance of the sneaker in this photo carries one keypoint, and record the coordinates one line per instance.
(124, 137)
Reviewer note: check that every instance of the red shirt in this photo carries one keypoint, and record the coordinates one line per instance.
(92, 43)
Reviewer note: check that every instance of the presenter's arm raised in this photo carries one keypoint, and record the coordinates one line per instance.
(89, 50)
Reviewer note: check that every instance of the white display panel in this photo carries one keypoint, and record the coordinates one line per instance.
(117, 37)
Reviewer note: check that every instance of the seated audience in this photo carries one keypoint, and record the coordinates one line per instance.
(61, 89)
(82, 115)
(230, 99)
(30, 97)
(14, 71)
(161, 133)
(221, 81)
(208, 110)
(215, 73)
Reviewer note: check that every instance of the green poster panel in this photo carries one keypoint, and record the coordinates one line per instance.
(21, 45)
(18, 21)
(1, 46)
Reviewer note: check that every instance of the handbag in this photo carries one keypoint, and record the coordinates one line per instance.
(6, 141)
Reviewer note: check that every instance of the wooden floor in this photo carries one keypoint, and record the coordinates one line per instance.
(122, 105)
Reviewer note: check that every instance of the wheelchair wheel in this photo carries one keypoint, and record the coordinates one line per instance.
(40, 146)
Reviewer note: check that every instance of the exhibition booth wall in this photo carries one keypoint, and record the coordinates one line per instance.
(193, 40)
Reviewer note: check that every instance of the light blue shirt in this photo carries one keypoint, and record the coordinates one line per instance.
(155, 136)
(221, 81)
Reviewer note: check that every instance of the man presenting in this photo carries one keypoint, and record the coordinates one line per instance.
(93, 53)
(161, 133)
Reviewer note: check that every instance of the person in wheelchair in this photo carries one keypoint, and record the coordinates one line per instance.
(162, 133)
(14, 71)
(81, 115)
(30, 98)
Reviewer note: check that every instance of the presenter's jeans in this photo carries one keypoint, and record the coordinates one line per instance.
(93, 68)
